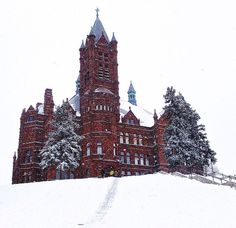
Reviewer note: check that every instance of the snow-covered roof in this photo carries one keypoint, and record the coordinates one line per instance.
(102, 90)
(146, 117)
(41, 109)
(75, 103)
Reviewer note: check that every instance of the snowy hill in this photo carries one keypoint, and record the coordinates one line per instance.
(158, 200)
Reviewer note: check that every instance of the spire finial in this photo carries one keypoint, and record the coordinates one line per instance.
(97, 10)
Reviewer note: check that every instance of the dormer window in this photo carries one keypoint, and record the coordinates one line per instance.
(130, 121)
(30, 119)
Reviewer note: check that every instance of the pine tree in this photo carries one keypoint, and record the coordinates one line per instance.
(186, 143)
(62, 149)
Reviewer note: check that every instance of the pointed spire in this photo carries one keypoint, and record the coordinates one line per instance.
(14, 157)
(77, 85)
(92, 32)
(113, 37)
(98, 29)
(97, 10)
(82, 45)
(132, 94)
(155, 117)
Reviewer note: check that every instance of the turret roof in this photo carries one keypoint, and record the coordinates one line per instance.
(131, 88)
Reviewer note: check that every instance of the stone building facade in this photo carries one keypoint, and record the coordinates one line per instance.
(120, 138)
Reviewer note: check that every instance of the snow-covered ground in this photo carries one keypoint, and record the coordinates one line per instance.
(157, 200)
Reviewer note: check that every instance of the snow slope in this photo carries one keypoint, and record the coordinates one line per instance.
(156, 200)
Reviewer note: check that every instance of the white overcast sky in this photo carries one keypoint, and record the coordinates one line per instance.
(188, 44)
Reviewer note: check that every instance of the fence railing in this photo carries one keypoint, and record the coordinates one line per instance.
(201, 175)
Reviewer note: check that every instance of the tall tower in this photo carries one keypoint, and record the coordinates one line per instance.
(99, 101)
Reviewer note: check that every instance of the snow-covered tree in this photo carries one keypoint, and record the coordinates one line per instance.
(186, 142)
(62, 149)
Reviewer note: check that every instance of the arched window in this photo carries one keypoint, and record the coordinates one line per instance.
(141, 159)
(140, 139)
(122, 157)
(121, 137)
(135, 139)
(136, 159)
(128, 158)
(88, 150)
(127, 138)
(99, 148)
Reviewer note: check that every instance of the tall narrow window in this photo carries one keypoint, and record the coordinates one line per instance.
(114, 149)
(136, 159)
(127, 138)
(58, 174)
(121, 137)
(99, 148)
(30, 176)
(28, 157)
(128, 158)
(147, 161)
(135, 139)
(25, 177)
(88, 150)
(140, 140)
(141, 159)
(122, 157)
(87, 173)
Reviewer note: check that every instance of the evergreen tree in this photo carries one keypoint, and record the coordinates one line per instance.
(62, 149)
(186, 142)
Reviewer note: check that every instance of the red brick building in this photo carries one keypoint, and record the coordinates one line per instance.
(120, 138)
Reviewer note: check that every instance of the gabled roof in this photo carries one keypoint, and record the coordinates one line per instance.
(75, 103)
(145, 117)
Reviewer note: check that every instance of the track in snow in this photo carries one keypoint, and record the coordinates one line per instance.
(105, 205)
